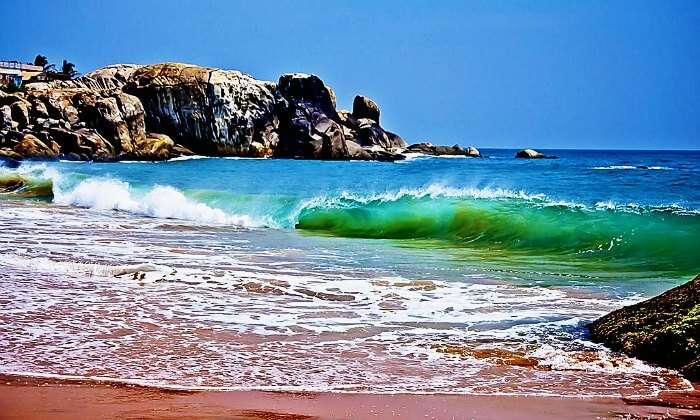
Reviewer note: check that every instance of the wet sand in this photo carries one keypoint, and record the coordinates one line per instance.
(39, 398)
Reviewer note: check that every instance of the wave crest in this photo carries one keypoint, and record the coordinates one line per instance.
(160, 201)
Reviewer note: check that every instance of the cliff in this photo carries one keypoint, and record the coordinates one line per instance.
(161, 111)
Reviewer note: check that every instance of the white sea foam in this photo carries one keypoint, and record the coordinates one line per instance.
(150, 272)
(630, 167)
(183, 158)
(161, 201)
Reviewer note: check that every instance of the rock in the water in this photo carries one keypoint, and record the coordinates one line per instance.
(473, 152)
(428, 148)
(664, 330)
(364, 107)
(155, 147)
(532, 154)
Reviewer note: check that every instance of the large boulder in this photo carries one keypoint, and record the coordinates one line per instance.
(364, 107)
(118, 117)
(6, 121)
(155, 146)
(31, 146)
(308, 119)
(208, 110)
(368, 133)
(532, 154)
(664, 330)
(20, 112)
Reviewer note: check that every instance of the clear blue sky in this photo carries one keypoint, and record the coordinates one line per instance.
(547, 74)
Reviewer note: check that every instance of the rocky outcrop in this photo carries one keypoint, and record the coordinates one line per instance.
(664, 330)
(532, 154)
(210, 111)
(160, 111)
(308, 119)
(364, 107)
(428, 148)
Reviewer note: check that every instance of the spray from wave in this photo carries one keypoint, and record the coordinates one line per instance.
(160, 201)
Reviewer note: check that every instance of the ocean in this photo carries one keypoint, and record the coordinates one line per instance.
(428, 275)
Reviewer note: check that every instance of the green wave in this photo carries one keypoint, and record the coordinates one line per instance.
(660, 239)
(15, 185)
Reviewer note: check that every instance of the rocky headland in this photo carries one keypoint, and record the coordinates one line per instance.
(161, 111)
(664, 330)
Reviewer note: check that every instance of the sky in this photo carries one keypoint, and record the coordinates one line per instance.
(509, 74)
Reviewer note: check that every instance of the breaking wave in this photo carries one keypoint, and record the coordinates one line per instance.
(487, 219)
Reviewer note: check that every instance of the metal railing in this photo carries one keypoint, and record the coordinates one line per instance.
(18, 65)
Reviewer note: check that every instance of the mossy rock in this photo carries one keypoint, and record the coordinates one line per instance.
(664, 330)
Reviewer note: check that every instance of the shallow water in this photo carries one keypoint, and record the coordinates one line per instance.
(429, 275)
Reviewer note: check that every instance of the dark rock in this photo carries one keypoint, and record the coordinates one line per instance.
(431, 149)
(8, 162)
(20, 112)
(664, 330)
(308, 120)
(364, 107)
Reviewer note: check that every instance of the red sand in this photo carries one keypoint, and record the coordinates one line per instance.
(33, 398)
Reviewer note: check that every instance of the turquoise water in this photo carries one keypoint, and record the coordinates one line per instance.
(589, 213)
(388, 262)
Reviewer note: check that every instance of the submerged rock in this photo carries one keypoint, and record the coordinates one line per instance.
(664, 330)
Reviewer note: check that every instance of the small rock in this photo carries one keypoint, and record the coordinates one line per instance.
(532, 154)
(473, 152)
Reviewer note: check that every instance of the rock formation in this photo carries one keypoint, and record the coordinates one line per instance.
(428, 148)
(532, 154)
(473, 152)
(160, 111)
(664, 330)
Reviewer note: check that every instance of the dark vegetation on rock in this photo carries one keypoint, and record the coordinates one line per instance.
(664, 330)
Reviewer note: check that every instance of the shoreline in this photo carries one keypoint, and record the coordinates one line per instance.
(31, 397)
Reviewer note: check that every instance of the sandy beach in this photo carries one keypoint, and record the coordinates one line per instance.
(38, 398)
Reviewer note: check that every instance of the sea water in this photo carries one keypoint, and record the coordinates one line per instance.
(450, 275)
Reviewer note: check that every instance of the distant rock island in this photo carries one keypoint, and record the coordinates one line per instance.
(161, 111)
